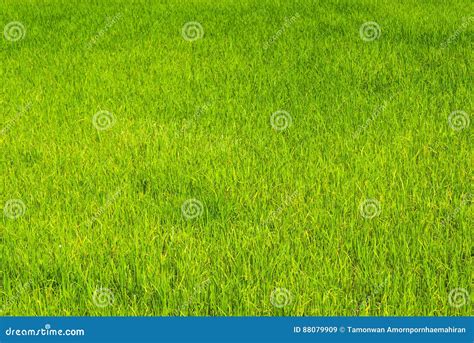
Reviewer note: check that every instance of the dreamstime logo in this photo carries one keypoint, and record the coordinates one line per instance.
(103, 297)
(281, 297)
(458, 297)
(14, 208)
(281, 120)
(466, 199)
(103, 120)
(192, 31)
(369, 31)
(458, 120)
(192, 208)
(14, 31)
(369, 208)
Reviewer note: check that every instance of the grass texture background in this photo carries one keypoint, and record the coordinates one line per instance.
(280, 226)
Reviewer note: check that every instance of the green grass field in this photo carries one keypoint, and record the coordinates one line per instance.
(232, 158)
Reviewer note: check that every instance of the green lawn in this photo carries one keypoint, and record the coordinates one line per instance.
(231, 157)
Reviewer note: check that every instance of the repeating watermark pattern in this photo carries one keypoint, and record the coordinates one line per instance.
(46, 331)
(103, 120)
(466, 200)
(361, 129)
(457, 33)
(192, 208)
(171, 238)
(8, 126)
(458, 120)
(14, 208)
(18, 291)
(280, 120)
(370, 208)
(103, 297)
(14, 31)
(100, 34)
(276, 213)
(370, 31)
(375, 114)
(376, 291)
(458, 297)
(286, 25)
(196, 291)
(192, 31)
(110, 200)
(200, 110)
(281, 297)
